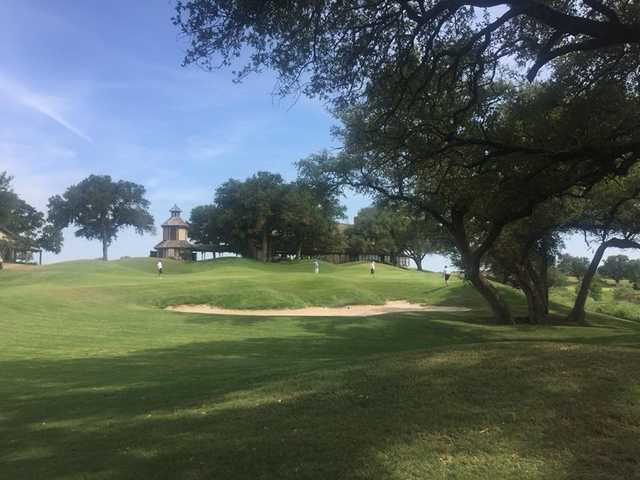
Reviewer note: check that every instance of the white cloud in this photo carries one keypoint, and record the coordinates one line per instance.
(46, 105)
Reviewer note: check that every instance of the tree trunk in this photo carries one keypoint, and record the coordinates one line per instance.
(418, 262)
(534, 294)
(299, 252)
(265, 246)
(501, 312)
(577, 313)
(528, 293)
(105, 246)
(539, 291)
(471, 259)
(545, 275)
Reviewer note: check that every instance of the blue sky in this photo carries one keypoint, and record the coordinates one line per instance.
(97, 87)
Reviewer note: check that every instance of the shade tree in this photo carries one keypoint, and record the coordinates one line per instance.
(29, 225)
(608, 215)
(205, 227)
(252, 211)
(574, 266)
(615, 267)
(308, 223)
(633, 272)
(516, 150)
(100, 208)
(605, 213)
(392, 230)
(524, 253)
(264, 214)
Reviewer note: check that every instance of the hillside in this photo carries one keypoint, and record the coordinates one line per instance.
(98, 381)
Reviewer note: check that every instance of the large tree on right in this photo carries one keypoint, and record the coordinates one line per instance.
(432, 116)
(478, 170)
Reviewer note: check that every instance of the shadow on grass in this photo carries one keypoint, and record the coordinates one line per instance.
(350, 400)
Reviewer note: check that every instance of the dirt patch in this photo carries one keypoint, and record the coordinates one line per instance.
(348, 311)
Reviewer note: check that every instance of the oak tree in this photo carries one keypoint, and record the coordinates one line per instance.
(99, 208)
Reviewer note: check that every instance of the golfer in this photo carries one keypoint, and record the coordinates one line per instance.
(372, 267)
(446, 276)
(159, 265)
(316, 266)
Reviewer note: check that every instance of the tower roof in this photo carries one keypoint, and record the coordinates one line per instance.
(174, 220)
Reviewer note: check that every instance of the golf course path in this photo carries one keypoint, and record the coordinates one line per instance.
(398, 306)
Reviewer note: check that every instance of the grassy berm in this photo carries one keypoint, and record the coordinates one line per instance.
(97, 381)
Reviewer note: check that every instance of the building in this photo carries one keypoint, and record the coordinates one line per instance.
(175, 235)
(175, 240)
(14, 249)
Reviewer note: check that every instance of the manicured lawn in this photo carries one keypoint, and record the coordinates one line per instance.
(97, 381)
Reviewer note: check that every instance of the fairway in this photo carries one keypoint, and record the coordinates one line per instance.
(99, 381)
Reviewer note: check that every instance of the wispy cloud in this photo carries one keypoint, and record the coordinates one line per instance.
(39, 169)
(43, 104)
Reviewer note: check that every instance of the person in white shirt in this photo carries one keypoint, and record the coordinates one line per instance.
(372, 267)
(446, 276)
(159, 265)
(316, 266)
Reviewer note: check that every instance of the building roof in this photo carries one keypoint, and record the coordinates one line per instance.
(12, 236)
(207, 248)
(8, 232)
(175, 222)
(174, 244)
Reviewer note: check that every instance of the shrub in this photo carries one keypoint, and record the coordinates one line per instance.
(621, 310)
(558, 279)
(626, 293)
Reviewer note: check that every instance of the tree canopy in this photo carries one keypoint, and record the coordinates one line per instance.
(395, 230)
(333, 48)
(263, 215)
(615, 267)
(489, 166)
(100, 208)
(575, 266)
(25, 221)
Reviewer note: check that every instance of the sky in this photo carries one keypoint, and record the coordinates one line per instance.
(97, 87)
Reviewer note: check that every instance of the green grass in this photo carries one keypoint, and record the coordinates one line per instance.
(619, 300)
(98, 382)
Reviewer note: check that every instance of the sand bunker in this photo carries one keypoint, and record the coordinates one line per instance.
(19, 266)
(349, 311)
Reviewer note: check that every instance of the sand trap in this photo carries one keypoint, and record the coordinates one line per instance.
(18, 266)
(350, 311)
